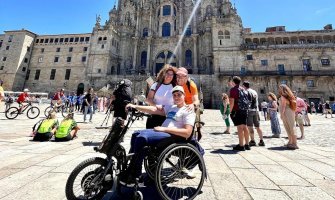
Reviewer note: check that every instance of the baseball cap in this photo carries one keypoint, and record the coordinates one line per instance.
(182, 71)
(25, 90)
(178, 88)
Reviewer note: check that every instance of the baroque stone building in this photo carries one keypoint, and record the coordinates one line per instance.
(207, 37)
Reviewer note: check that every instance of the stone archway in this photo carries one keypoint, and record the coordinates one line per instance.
(80, 89)
(164, 57)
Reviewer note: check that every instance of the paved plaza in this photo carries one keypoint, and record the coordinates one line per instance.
(39, 170)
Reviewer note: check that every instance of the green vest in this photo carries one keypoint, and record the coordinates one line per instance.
(64, 128)
(47, 125)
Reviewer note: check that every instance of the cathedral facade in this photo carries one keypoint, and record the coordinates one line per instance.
(207, 37)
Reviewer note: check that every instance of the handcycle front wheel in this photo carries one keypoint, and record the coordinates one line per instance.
(33, 112)
(180, 172)
(86, 180)
(12, 113)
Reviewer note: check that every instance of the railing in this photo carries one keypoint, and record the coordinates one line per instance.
(279, 73)
(254, 46)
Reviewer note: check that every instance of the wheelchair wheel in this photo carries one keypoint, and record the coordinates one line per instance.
(47, 111)
(86, 181)
(180, 172)
(33, 112)
(150, 165)
(12, 113)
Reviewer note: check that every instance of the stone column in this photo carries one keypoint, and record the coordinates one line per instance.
(195, 54)
(135, 53)
(149, 53)
(180, 53)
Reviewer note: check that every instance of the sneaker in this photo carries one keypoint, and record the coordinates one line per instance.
(252, 143)
(189, 173)
(261, 143)
(127, 179)
(226, 132)
(247, 147)
(238, 148)
(275, 136)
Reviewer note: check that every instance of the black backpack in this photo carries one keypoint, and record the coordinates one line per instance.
(244, 99)
(123, 92)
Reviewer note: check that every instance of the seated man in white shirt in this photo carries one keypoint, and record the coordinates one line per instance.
(178, 126)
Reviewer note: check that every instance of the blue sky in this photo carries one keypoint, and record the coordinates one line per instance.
(78, 16)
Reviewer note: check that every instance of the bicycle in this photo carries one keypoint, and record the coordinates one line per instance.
(58, 108)
(32, 111)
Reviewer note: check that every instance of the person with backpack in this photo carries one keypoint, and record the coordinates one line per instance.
(160, 94)
(122, 95)
(239, 105)
(190, 88)
(46, 128)
(253, 116)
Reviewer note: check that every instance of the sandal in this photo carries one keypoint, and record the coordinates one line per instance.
(291, 146)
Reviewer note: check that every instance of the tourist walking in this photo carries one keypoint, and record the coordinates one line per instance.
(239, 102)
(313, 109)
(307, 121)
(264, 106)
(300, 113)
(88, 102)
(273, 107)
(287, 107)
(327, 109)
(225, 111)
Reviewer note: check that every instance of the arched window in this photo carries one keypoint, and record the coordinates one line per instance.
(166, 10)
(188, 58)
(226, 34)
(143, 59)
(145, 32)
(209, 10)
(166, 29)
(220, 33)
(188, 31)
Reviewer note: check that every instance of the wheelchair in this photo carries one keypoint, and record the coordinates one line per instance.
(177, 169)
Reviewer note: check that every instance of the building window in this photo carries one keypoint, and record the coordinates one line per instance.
(87, 39)
(102, 46)
(37, 74)
(82, 39)
(99, 70)
(28, 74)
(249, 57)
(85, 49)
(4, 58)
(67, 74)
(306, 65)
(46, 40)
(166, 29)
(28, 49)
(188, 31)
(71, 39)
(281, 69)
(226, 34)
(310, 83)
(188, 58)
(145, 32)
(37, 41)
(42, 50)
(52, 74)
(24, 69)
(66, 40)
(325, 62)
(243, 71)
(70, 49)
(166, 10)
(76, 39)
(40, 59)
(264, 63)
(105, 38)
(61, 40)
(51, 40)
(25, 60)
(83, 59)
(100, 38)
(42, 40)
(68, 59)
(56, 40)
(1, 68)
(56, 59)
(58, 49)
(10, 38)
(143, 59)
(7, 47)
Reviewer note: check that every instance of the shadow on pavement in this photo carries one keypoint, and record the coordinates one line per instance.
(222, 151)
(282, 148)
(91, 143)
(149, 192)
(219, 133)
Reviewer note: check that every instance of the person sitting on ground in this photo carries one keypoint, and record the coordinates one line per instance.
(67, 129)
(46, 129)
(177, 127)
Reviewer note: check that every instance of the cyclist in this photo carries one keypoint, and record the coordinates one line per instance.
(23, 97)
(57, 98)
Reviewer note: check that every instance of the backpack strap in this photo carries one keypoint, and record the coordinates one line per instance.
(157, 87)
(188, 83)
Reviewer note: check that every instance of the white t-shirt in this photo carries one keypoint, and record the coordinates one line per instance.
(254, 93)
(178, 117)
(163, 95)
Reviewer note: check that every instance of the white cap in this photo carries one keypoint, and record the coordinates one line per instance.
(26, 90)
(178, 88)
